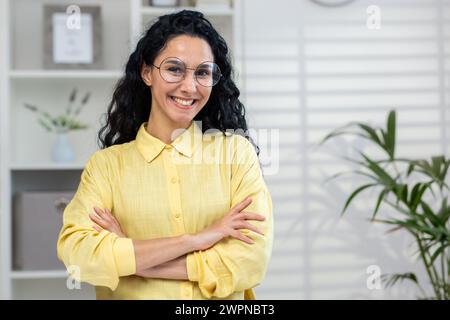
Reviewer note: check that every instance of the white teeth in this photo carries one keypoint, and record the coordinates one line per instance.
(183, 102)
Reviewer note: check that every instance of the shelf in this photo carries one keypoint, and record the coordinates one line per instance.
(44, 274)
(64, 74)
(46, 166)
(208, 11)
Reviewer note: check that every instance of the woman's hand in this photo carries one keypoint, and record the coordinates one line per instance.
(229, 226)
(105, 220)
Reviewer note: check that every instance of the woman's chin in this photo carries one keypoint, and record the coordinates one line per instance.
(182, 116)
(182, 119)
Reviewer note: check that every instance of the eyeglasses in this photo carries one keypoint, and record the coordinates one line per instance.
(174, 70)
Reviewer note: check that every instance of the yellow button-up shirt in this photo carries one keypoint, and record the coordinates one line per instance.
(160, 190)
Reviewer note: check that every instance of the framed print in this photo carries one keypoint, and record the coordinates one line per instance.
(72, 37)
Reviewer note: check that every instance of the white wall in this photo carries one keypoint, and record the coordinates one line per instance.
(311, 69)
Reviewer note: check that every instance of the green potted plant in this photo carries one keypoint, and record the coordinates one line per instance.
(61, 124)
(416, 190)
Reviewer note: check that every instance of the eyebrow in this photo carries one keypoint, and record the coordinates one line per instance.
(177, 61)
(174, 60)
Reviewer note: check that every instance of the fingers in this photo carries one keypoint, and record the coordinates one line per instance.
(106, 220)
(238, 235)
(103, 219)
(103, 214)
(111, 216)
(97, 228)
(253, 216)
(249, 226)
(242, 205)
(98, 220)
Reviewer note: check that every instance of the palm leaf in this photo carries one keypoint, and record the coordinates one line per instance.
(355, 193)
(430, 215)
(379, 171)
(444, 211)
(371, 133)
(379, 200)
(416, 195)
(337, 132)
(390, 134)
(392, 279)
(438, 252)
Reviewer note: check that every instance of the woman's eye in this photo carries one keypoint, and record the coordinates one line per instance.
(204, 73)
(174, 70)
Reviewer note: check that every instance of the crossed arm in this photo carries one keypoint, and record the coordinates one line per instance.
(166, 257)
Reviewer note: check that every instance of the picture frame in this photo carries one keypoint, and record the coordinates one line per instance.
(72, 37)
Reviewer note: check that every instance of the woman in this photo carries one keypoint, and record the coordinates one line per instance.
(164, 213)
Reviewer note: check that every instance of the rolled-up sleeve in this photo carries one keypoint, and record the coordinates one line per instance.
(100, 258)
(233, 265)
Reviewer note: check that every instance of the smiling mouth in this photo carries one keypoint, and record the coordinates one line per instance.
(182, 103)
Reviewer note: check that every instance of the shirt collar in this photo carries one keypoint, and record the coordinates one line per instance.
(150, 147)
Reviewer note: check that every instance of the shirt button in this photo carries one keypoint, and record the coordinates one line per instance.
(177, 215)
(174, 180)
(168, 147)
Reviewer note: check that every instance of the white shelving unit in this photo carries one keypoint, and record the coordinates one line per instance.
(25, 148)
(46, 166)
(47, 274)
(65, 74)
(209, 11)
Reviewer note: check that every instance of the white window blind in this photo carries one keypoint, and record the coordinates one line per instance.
(310, 69)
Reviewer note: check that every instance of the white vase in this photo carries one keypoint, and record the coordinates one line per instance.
(62, 151)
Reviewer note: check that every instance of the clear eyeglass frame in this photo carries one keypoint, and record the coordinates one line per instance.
(175, 78)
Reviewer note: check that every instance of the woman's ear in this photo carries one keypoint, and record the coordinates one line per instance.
(146, 75)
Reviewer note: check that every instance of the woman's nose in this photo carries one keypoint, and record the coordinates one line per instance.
(189, 84)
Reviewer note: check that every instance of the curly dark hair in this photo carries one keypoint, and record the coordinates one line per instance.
(131, 101)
